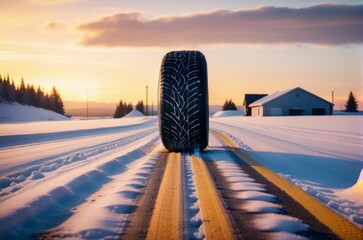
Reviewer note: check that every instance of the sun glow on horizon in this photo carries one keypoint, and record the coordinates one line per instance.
(41, 43)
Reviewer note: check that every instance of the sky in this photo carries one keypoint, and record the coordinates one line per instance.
(110, 50)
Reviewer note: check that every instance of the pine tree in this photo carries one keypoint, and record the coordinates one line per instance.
(2, 97)
(12, 92)
(55, 102)
(6, 85)
(351, 104)
(47, 102)
(39, 97)
(140, 107)
(229, 105)
(129, 108)
(120, 110)
(22, 94)
(32, 95)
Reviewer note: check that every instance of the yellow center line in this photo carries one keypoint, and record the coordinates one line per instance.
(215, 219)
(166, 220)
(338, 224)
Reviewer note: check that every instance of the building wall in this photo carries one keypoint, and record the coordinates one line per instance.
(296, 100)
(257, 111)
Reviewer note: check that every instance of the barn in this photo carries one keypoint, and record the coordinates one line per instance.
(291, 102)
(250, 98)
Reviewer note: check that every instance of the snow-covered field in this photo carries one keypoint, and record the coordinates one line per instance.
(51, 170)
(15, 112)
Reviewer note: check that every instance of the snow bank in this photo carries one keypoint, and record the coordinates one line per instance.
(134, 113)
(7, 129)
(15, 112)
(322, 155)
(229, 113)
(64, 197)
(355, 193)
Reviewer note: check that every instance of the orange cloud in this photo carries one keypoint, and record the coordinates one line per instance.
(326, 24)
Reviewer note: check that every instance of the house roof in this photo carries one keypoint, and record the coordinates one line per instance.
(276, 95)
(250, 98)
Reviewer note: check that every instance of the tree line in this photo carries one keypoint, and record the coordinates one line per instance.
(124, 108)
(229, 105)
(28, 94)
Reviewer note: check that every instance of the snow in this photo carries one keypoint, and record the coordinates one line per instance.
(320, 154)
(261, 207)
(270, 97)
(256, 199)
(278, 223)
(115, 169)
(229, 113)
(16, 112)
(53, 172)
(193, 218)
(134, 113)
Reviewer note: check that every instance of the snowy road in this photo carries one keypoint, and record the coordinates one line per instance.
(84, 178)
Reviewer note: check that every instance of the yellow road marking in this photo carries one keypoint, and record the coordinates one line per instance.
(339, 225)
(215, 220)
(166, 220)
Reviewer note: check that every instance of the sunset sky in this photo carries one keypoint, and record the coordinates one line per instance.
(113, 48)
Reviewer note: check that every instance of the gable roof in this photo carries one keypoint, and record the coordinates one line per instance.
(250, 98)
(276, 95)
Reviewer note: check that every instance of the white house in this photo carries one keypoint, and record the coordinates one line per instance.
(291, 102)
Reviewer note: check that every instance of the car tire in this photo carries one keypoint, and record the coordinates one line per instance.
(183, 101)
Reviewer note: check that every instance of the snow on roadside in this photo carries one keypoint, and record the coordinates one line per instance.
(16, 112)
(19, 177)
(111, 206)
(320, 154)
(50, 202)
(134, 113)
(15, 129)
(228, 113)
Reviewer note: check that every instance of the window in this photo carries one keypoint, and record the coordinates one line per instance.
(297, 95)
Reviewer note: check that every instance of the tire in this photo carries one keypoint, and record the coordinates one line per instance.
(183, 101)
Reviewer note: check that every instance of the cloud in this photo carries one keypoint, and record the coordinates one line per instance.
(326, 24)
(56, 26)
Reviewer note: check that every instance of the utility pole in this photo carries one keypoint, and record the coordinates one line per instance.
(146, 100)
(332, 97)
(152, 107)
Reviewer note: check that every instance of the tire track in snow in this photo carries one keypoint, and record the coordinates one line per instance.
(166, 220)
(56, 199)
(20, 179)
(321, 221)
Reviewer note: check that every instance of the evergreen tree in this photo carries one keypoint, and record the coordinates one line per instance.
(32, 95)
(46, 103)
(351, 104)
(6, 85)
(2, 97)
(140, 107)
(27, 95)
(229, 105)
(12, 92)
(39, 97)
(120, 110)
(22, 94)
(129, 108)
(55, 102)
